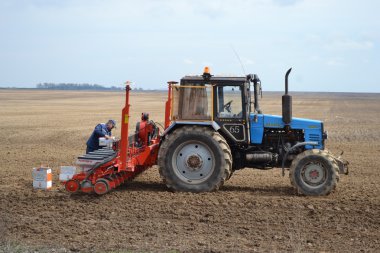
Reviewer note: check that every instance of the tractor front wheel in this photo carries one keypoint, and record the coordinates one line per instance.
(314, 173)
(194, 159)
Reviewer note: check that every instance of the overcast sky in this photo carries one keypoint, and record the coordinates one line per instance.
(332, 45)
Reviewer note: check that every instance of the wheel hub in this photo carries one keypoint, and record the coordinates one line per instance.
(194, 162)
(314, 174)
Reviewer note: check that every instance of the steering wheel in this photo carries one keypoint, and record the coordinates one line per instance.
(227, 106)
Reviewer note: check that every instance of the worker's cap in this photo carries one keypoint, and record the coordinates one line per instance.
(113, 122)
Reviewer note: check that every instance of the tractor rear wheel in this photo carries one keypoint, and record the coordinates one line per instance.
(314, 173)
(194, 159)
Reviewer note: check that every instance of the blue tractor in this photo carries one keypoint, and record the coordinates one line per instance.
(214, 126)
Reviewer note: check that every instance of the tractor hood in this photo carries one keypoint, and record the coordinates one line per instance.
(274, 121)
(313, 129)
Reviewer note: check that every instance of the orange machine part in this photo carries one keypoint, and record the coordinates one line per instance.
(130, 159)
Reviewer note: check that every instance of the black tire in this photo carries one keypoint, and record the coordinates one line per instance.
(206, 162)
(314, 173)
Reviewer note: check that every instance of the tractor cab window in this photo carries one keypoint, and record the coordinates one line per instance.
(192, 102)
(229, 100)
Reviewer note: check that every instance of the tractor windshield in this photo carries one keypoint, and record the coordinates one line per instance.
(229, 102)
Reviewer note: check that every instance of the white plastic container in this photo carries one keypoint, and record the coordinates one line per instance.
(103, 142)
(42, 178)
(67, 173)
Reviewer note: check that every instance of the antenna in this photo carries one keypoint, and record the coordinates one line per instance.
(238, 57)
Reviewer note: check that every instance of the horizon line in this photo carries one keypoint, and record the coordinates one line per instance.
(109, 89)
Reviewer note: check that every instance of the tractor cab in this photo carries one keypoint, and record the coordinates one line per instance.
(207, 99)
(231, 108)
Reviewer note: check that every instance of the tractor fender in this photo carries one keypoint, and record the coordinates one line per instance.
(176, 124)
(312, 143)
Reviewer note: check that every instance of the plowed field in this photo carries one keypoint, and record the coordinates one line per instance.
(255, 211)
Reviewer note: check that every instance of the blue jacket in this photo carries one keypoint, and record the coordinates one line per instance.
(99, 131)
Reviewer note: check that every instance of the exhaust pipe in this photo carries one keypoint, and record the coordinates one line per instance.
(256, 88)
(287, 102)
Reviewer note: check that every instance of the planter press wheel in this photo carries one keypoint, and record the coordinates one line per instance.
(101, 186)
(72, 186)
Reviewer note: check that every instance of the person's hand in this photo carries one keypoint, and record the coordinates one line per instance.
(107, 137)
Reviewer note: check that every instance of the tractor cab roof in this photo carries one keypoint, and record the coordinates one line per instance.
(223, 80)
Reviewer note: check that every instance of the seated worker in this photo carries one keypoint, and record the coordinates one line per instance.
(101, 130)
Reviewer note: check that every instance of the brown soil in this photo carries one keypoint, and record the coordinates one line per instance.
(254, 211)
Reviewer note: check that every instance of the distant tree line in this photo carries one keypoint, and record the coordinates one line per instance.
(74, 86)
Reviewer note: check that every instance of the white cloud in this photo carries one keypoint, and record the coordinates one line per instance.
(188, 61)
(349, 44)
(335, 62)
(286, 2)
